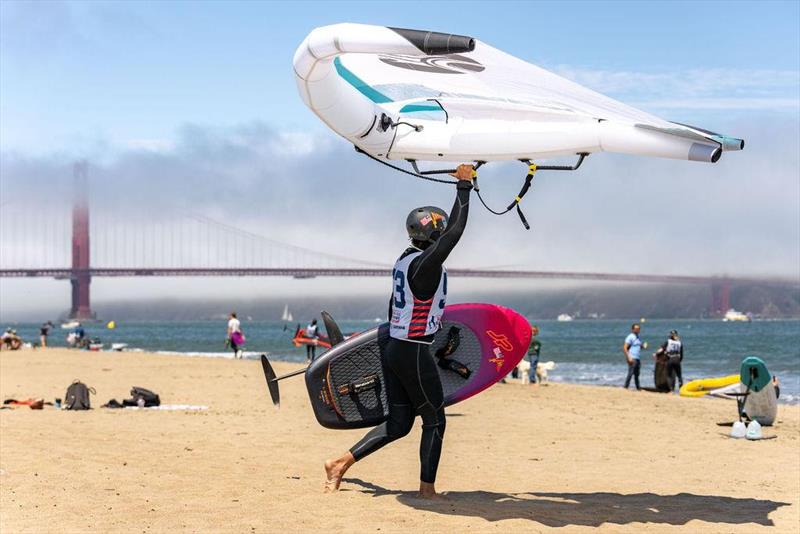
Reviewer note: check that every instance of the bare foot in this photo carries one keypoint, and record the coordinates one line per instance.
(428, 491)
(335, 470)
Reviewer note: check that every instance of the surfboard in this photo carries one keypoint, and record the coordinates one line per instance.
(480, 343)
(761, 402)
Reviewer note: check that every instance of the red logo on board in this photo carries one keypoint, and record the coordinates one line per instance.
(501, 343)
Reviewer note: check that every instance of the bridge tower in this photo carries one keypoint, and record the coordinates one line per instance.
(720, 297)
(80, 277)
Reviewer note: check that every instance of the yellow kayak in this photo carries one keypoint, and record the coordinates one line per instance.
(703, 386)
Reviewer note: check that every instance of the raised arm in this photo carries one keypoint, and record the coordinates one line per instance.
(426, 270)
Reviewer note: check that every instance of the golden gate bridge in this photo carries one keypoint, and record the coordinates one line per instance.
(170, 243)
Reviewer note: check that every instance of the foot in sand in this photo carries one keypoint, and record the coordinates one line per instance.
(428, 491)
(335, 470)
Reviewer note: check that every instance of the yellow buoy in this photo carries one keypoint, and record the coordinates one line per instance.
(111, 325)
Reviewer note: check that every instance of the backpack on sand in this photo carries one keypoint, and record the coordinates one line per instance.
(149, 398)
(77, 396)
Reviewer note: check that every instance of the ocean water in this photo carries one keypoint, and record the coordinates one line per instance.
(585, 351)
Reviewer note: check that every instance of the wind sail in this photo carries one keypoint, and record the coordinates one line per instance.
(417, 95)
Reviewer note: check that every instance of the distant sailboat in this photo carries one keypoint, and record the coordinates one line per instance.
(287, 315)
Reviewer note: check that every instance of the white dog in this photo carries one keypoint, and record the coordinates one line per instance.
(542, 368)
(524, 367)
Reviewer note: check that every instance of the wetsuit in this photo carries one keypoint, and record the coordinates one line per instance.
(413, 386)
(673, 348)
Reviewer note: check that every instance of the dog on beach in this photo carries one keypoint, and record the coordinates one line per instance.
(524, 367)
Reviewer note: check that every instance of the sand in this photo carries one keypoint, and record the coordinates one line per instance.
(516, 459)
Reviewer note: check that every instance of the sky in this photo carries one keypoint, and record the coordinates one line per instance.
(193, 107)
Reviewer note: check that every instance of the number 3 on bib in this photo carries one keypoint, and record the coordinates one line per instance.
(399, 289)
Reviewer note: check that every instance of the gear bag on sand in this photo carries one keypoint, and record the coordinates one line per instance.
(77, 396)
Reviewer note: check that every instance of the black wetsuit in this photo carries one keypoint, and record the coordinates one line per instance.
(412, 379)
(674, 367)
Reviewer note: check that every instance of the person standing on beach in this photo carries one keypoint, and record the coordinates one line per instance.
(312, 332)
(235, 334)
(416, 305)
(534, 351)
(632, 348)
(673, 349)
(44, 331)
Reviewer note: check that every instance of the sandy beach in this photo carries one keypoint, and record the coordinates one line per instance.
(516, 458)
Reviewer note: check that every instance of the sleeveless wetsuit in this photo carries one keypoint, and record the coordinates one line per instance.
(412, 379)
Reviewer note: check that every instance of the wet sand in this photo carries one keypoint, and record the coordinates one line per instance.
(516, 458)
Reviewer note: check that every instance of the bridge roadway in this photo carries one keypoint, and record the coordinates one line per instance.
(299, 272)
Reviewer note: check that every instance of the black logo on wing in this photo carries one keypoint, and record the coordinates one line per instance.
(450, 64)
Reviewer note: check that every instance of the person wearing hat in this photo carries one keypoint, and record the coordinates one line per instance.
(672, 348)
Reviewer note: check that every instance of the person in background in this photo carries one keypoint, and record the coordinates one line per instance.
(672, 349)
(632, 349)
(10, 340)
(312, 332)
(77, 338)
(44, 331)
(534, 350)
(234, 334)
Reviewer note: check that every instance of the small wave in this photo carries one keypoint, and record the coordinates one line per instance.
(197, 354)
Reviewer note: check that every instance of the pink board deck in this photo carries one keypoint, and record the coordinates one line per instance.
(346, 384)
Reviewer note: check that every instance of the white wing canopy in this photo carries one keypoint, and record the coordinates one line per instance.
(416, 95)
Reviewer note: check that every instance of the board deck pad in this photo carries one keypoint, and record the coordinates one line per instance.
(346, 384)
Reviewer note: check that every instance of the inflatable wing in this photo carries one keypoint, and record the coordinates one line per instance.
(418, 95)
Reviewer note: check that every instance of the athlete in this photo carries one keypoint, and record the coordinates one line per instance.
(415, 312)
(672, 348)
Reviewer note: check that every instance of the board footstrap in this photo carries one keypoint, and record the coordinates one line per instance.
(453, 341)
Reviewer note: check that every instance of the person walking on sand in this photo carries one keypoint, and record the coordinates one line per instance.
(44, 331)
(235, 335)
(419, 292)
(632, 349)
(534, 350)
(312, 332)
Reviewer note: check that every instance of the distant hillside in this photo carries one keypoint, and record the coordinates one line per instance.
(608, 301)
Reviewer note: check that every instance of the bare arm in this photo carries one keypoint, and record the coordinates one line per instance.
(625, 348)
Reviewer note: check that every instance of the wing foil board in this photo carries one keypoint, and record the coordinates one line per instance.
(407, 94)
(346, 385)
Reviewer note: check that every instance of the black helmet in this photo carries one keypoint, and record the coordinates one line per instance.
(673, 333)
(426, 224)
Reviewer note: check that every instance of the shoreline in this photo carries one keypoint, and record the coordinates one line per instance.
(787, 400)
